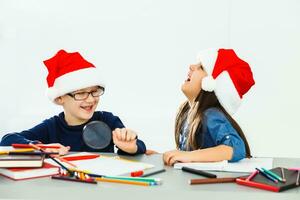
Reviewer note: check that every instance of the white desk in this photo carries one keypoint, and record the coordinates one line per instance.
(175, 186)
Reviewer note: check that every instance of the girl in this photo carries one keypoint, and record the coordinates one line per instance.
(74, 84)
(204, 129)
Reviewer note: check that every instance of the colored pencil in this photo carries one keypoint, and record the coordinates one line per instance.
(95, 175)
(67, 178)
(124, 181)
(297, 181)
(282, 174)
(272, 174)
(153, 173)
(294, 169)
(149, 180)
(82, 157)
(32, 153)
(80, 171)
(66, 161)
(211, 180)
(267, 175)
(252, 175)
(16, 150)
(39, 145)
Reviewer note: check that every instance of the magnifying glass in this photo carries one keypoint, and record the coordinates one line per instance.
(97, 135)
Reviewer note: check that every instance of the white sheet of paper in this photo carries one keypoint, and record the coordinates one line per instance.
(245, 165)
(108, 166)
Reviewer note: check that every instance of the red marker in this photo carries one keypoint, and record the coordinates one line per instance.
(136, 173)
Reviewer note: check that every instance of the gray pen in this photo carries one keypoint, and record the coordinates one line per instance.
(153, 173)
(198, 172)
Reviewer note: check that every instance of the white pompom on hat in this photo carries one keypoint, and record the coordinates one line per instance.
(228, 76)
(68, 72)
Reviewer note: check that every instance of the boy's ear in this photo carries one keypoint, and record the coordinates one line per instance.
(58, 101)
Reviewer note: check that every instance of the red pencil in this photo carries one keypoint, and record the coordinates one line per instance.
(43, 146)
(81, 157)
(257, 185)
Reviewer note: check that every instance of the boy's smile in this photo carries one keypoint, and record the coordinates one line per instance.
(87, 108)
(80, 105)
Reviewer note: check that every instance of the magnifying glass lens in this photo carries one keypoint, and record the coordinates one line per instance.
(97, 135)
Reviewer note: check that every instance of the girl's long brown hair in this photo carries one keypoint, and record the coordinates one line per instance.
(194, 115)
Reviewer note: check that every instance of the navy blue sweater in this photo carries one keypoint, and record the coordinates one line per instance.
(56, 130)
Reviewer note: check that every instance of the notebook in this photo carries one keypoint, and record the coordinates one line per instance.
(261, 182)
(247, 165)
(21, 160)
(104, 165)
(28, 173)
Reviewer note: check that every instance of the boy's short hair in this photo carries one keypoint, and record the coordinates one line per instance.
(68, 72)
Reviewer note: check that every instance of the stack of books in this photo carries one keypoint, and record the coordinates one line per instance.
(19, 167)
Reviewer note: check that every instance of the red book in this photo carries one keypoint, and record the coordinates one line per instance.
(29, 173)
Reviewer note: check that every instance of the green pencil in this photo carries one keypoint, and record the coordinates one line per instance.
(273, 174)
(148, 180)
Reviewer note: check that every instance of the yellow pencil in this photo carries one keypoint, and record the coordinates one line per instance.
(124, 181)
(17, 150)
(79, 170)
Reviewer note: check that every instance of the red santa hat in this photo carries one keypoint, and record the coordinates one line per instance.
(228, 76)
(69, 72)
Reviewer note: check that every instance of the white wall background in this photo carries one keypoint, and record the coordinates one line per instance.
(144, 48)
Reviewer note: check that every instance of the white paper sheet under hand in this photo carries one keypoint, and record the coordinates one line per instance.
(245, 165)
(111, 166)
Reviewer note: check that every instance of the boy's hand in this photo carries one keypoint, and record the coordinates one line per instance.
(61, 151)
(125, 139)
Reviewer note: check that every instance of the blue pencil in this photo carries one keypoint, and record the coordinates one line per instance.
(267, 175)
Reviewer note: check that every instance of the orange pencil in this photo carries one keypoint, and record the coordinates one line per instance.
(124, 181)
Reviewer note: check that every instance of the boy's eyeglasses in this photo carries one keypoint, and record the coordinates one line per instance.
(80, 96)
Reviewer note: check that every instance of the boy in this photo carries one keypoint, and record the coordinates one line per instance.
(74, 84)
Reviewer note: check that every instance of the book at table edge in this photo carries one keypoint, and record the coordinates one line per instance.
(32, 172)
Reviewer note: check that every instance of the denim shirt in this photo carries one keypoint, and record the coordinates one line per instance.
(217, 130)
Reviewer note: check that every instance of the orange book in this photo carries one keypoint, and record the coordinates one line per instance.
(29, 173)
